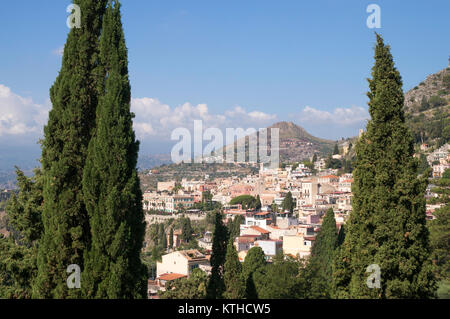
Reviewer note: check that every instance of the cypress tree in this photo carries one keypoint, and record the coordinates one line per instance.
(254, 261)
(288, 203)
(341, 235)
(113, 197)
(67, 134)
(163, 239)
(387, 224)
(216, 285)
(232, 274)
(171, 238)
(318, 270)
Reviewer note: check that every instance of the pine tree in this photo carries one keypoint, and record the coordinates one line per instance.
(113, 268)
(74, 97)
(216, 285)
(232, 274)
(318, 270)
(387, 224)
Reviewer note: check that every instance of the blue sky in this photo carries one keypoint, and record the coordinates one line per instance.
(248, 63)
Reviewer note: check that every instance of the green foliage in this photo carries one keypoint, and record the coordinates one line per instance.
(71, 121)
(280, 280)
(232, 274)
(25, 208)
(206, 196)
(17, 269)
(247, 202)
(18, 253)
(254, 261)
(288, 203)
(336, 149)
(171, 238)
(446, 80)
(186, 229)
(423, 164)
(111, 187)
(318, 271)
(193, 287)
(440, 229)
(333, 163)
(387, 224)
(216, 286)
(235, 226)
(436, 101)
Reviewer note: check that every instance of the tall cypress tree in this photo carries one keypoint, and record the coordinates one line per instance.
(113, 197)
(216, 285)
(318, 270)
(387, 224)
(171, 238)
(67, 134)
(232, 274)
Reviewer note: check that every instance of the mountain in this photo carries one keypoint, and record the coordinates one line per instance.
(427, 108)
(150, 161)
(295, 144)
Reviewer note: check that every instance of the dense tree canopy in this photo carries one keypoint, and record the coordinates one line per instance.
(387, 224)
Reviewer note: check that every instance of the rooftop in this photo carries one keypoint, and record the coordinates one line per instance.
(169, 277)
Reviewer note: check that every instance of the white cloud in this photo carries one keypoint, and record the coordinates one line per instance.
(157, 120)
(20, 115)
(340, 116)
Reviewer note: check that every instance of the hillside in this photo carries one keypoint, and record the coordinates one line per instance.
(295, 143)
(427, 108)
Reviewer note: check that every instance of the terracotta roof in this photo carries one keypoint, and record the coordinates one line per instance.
(246, 239)
(169, 277)
(259, 229)
(329, 176)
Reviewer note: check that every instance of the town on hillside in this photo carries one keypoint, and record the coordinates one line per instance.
(280, 210)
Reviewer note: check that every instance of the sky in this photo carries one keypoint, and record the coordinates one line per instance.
(229, 63)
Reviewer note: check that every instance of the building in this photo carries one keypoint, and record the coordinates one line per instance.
(206, 241)
(329, 179)
(270, 246)
(256, 231)
(261, 219)
(165, 186)
(245, 242)
(154, 286)
(181, 262)
(297, 245)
